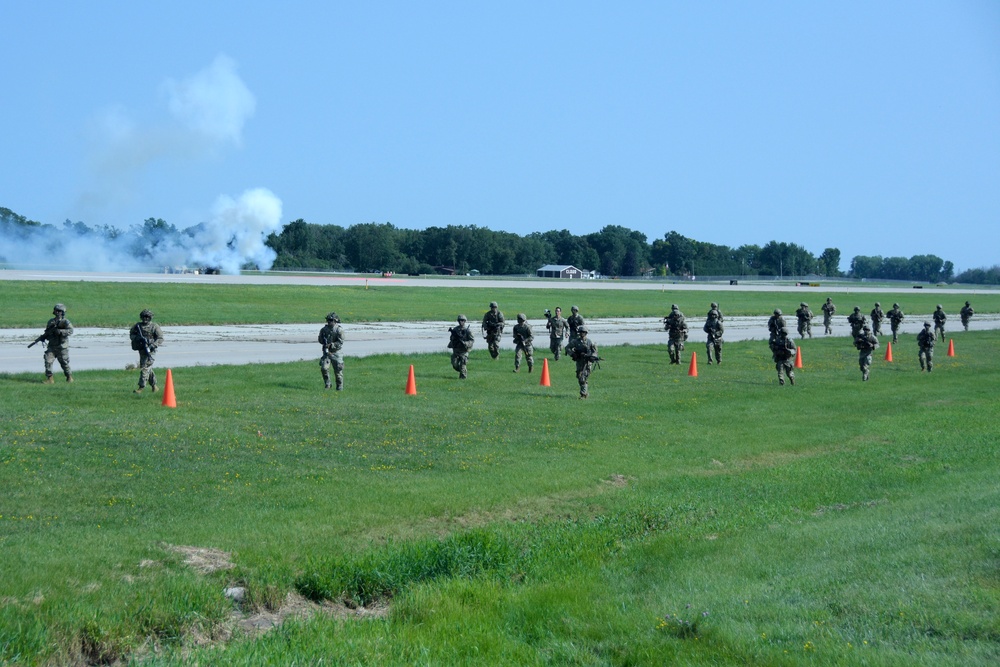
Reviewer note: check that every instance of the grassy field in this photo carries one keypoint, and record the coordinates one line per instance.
(716, 520)
(29, 304)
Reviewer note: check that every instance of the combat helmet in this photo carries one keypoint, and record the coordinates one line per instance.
(146, 312)
(333, 317)
(493, 304)
(581, 329)
(59, 308)
(575, 309)
(521, 317)
(715, 305)
(928, 324)
(878, 305)
(462, 318)
(895, 305)
(777, 311)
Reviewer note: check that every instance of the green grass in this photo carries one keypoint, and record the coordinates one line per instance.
(28, 304)
(836, 522)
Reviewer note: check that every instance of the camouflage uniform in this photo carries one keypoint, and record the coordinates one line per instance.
(925, 346)
(557, 326)
(146, 328)
(493, 324)
(783, 352)
(804, 316)
(523, 338)
(461, 342)
(866, 343)
(584, 352)
(828, 311)
(574, 322)
(56, 335)
(714, 313)
(857, 321)
(939, 319)
(331, 337)
(776, 323)
(713, 327)
(877, 316)
(895, 319)
(677, 333)
(966, 314)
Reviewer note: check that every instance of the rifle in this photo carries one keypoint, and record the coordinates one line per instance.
(143, 340)
(594, 359)
(45, 335)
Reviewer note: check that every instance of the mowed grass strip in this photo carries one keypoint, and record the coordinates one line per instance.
(669, 519)
(28, 304)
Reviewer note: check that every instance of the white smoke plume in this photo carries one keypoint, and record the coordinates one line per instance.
(206, 115)
(232, 238)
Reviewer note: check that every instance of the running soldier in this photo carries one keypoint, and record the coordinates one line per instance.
(783, 352)
(574, 322)
(523, 339)
(584, 352)
(866, 343)
(461, 342)
(56, 337)
(557, 326)
(775, 323)
(925, 346)
(828, 311)
(146, 337)
(677, 333)
(895, 319)
(877, 316)
(804, 316)
(857, 321)
(493, 324)
(939, 321)
(966, 314)
(331, 337)
(714, 313)
(713, 327)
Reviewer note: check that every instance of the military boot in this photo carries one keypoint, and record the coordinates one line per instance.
(49, 380)
(69, 378)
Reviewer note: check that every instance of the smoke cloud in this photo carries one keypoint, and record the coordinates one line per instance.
(234, 237)
(205, 114)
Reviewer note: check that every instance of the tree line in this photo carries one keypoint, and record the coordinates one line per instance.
(613, 251)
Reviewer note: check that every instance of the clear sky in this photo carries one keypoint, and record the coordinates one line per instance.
(873, 127)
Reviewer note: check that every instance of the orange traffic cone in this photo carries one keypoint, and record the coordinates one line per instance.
(411, 383)
(169, 400)
(798, 357)
(888, 351)
(545, 374)
(951, 347)
(693, 368)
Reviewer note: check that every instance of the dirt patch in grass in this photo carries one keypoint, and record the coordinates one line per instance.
(202, 559)
(296, 606)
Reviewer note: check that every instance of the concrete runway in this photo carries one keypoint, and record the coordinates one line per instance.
(96, 348)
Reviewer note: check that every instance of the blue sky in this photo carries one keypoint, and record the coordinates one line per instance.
(870, 127)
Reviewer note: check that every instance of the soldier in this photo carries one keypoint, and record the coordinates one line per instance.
(523, 339)
(714, 313)
(895, 319)
(925, 346)
(783, 353)
(493, 324)
(461, 342)
(677, 333)
(574, 322)
(56, 336)
(557, 326)
(331, 337)
(966, 314)
(857, 321)
(804, 316)
(146, 337)
(939, 320)
(828, 311)
(866, 343)
(877, 317)
(713, 327)
(584, 352)
(775, 323)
